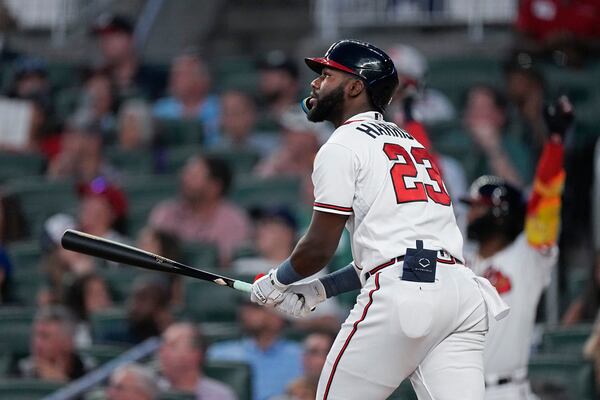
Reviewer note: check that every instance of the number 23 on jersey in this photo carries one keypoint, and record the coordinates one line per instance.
(405, 167)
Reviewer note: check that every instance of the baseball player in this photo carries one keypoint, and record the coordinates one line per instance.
(518, 263)
(420, 312)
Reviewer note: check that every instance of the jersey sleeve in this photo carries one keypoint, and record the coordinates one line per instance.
(334, 179)
(543, 209)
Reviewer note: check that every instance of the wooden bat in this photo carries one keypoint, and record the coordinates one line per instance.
(85, 243)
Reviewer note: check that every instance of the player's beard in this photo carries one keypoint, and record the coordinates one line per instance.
(328, 106)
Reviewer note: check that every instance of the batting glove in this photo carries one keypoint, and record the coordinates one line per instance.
(267, 290)
(302, 298)
(559, 116)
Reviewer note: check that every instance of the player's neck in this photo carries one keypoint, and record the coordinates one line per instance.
(349, 112)
(491, 246)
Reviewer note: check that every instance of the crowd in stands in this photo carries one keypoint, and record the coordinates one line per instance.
(159, 157)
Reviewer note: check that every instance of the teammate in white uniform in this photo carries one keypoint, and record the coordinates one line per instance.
(518, 263)
(420, 312)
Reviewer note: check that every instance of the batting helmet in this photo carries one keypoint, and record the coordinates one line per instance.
(506, 214)
(367, 62)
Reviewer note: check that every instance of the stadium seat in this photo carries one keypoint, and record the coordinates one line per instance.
(15, 330)
(257, 192)
(171, 395)
(220, 331)
(563, 371)
(205, 301)
(240, 162)
(18, 165)
(102, 353)
(24, 254)
(150, 189)
(566, 340)
(41, 198)
(27, 389)
(236, 375)
(103, 323)
(177, 132)
(404, 392)
(200, 255)
(119, 279)
(131, 162)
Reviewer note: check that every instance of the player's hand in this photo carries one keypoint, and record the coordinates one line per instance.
(267, 290)
(559, 116)
(300, 299)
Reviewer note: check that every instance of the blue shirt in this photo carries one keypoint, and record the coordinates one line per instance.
(208, 114)
(272, 369)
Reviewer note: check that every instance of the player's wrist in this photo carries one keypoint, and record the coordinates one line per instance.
(341, 281)
(285, 274)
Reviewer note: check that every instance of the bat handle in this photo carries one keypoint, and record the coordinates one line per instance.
(242, 286)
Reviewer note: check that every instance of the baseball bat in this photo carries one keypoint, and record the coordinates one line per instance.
(85, 243)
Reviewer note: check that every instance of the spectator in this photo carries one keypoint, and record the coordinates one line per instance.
(238, 125)
(30, 78)
(148, 312)
(135, 126)
(52, 348)
(131, 77)
(279, 86)
(495, 152)
(201, 213)
(189, 85)
(97, 105)
(81, 157)
(525, 88)
(427, 105)
(166, 245)
(296, 153)
(591, 350)
(275, 362)
(12, 228)
(181, 358)
(85, 295)
(585, 307)
(516, 250)
(132, 382)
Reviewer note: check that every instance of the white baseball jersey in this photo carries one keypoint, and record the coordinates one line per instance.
(382, 178)
(519, 273)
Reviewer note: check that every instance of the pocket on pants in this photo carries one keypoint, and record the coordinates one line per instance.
(415, 308)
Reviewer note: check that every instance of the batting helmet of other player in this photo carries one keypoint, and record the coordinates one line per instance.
(505, 214)
(366, 61)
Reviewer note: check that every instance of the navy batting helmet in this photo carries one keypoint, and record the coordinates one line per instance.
(506, 214)
(367, 62)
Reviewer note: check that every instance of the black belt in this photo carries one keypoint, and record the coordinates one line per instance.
(450, 260)
(505, 380)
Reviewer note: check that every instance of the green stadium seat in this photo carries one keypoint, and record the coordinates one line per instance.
(205, 301)
(15, 331)
(27, 389)
(260, 192)
(63, 75)
(40, 198)
(107, 321)
(18, 165)
(220, 331)
(562, 371)
(134, 162)
(175, 158)
(120, 279)
(25, 255)
(26, 284)
(150, 189)
(177, 132)
(240, 162)
(171, 395)
(103, 353)
(236, 375)
(566, 340)
(200, 255)
(404, 392)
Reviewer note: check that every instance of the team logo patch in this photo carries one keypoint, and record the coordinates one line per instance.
(424, 262)
(500, 281)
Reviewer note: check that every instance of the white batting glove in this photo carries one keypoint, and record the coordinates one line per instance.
(267, 290)
(300, 299)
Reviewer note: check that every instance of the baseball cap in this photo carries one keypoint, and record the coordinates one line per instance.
(26, 66)
(101, 187)
(53, 229)
(111, 23)
(278, 60)
(409, 62)
(279, 213)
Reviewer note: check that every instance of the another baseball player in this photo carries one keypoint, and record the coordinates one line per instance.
(518, 263)
(420, 313)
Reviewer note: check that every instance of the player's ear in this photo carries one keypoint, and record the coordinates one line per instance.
(355, 87)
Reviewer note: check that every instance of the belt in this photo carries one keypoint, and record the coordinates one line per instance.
(443, 257)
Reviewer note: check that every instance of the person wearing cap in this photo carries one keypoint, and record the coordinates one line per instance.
(278, 85)
(132, 77)
(274, 361)
(190, 97)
